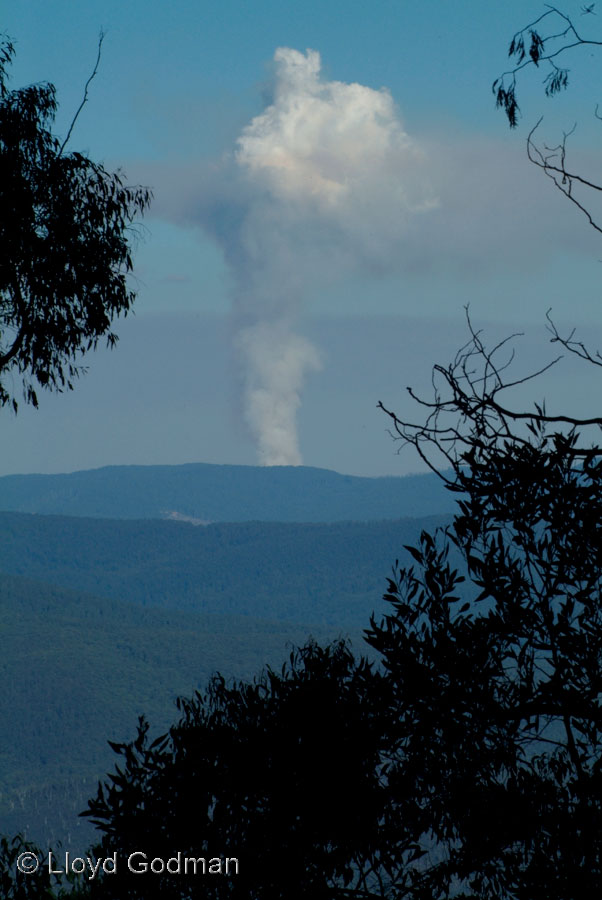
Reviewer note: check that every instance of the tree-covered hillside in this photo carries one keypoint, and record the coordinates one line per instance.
(326, 573)
(77, 670)
(220, 493)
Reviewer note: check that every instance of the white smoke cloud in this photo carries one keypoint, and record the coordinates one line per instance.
(324, 183)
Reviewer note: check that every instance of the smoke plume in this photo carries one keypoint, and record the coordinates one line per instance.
(322, 184)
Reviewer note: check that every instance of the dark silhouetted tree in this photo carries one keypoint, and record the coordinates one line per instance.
(65, 230)
(283, 773)
(496, 723)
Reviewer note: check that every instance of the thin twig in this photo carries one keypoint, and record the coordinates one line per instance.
(101, 38)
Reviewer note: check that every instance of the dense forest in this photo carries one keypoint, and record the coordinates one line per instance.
(326, 573)
(79, 669)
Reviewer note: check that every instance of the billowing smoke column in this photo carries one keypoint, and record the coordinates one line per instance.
(323, 183)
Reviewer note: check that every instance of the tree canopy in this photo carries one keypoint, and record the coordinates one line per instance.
(65, 231)
(281, 773)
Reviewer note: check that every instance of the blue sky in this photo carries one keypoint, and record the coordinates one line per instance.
(304, 318)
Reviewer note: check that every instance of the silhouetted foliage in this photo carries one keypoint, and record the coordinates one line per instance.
(548, 39)
(65, 252)
(64, 258)
(282, 773)
(532, 46)
(496, 741)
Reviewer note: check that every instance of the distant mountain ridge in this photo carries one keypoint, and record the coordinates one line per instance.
(223, 493)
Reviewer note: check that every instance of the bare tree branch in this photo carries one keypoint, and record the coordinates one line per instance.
(101, 38)
(465, 416)
(554, 166)
(576, 347)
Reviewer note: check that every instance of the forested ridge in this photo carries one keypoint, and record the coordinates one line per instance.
(224, 493)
